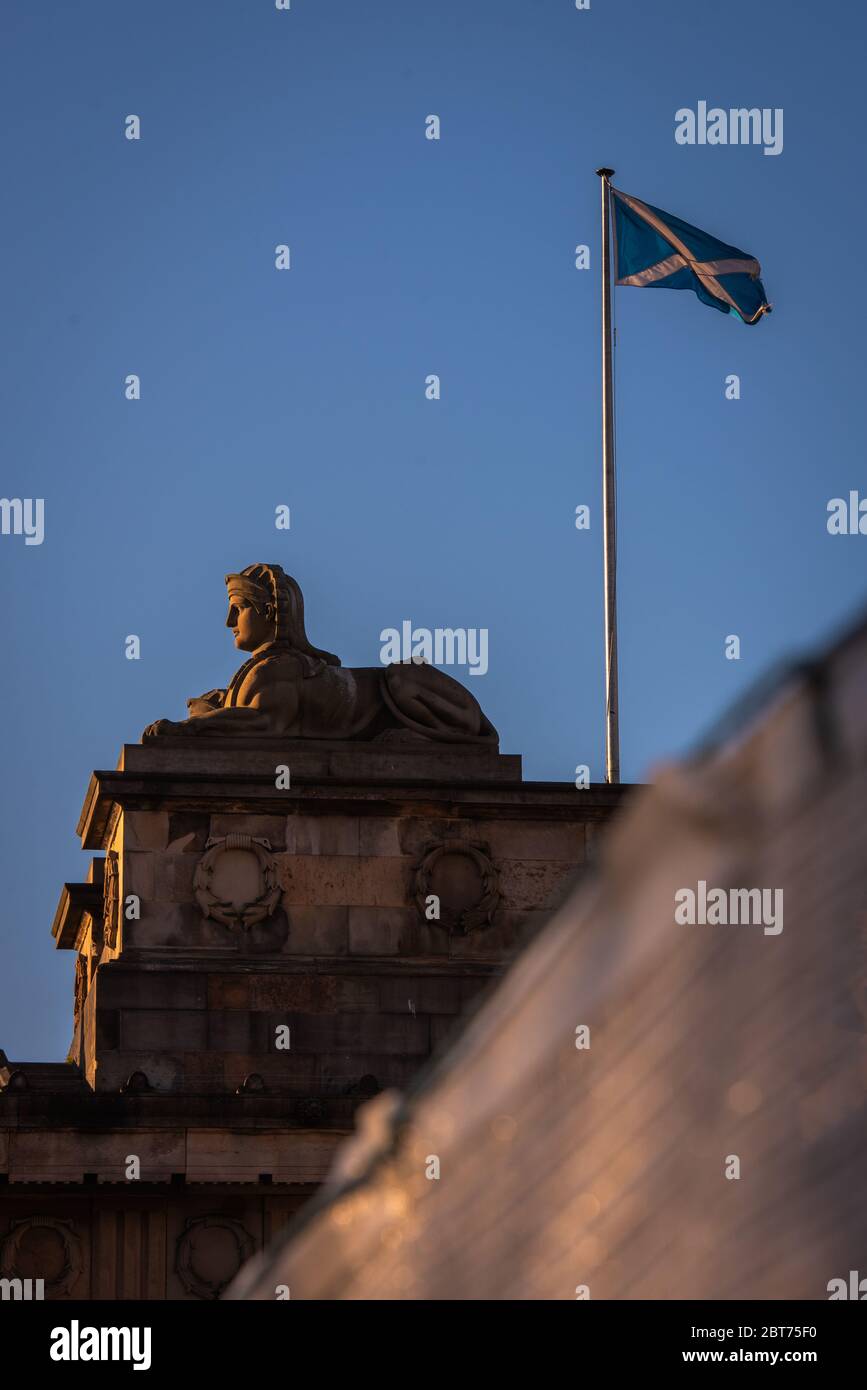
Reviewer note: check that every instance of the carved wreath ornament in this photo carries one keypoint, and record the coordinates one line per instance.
(223, 881)
(464, 879)
(69, 1265)
(197, 1254)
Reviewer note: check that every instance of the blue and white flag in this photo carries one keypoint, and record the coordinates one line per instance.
(654, 250)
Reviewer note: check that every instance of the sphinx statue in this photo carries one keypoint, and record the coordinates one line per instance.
(289, 687)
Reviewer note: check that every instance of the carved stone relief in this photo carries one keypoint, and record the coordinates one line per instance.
(464, 880)
(111, 894)
(236, 881)
(39, 1247)
(210, 1251)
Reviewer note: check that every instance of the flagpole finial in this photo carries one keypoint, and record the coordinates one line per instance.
(605, 173)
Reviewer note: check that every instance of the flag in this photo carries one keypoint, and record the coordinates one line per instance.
(654, 250)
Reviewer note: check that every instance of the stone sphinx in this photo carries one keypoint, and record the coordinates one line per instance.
(291, 688)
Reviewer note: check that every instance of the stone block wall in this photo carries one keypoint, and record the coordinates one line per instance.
(208, 1030)
(350, 957)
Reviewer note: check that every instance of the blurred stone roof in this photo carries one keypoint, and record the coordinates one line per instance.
(567, 1171)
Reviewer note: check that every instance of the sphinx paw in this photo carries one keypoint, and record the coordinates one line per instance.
(160, 726)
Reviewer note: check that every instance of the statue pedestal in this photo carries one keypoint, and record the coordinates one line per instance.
(255, 961)
(359, 908)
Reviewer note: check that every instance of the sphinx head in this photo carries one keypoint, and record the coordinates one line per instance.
(252, 616)
(266, 605)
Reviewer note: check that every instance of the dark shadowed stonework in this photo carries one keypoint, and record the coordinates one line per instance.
(224, 915)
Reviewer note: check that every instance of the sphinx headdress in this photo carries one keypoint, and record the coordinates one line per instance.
(264, 585)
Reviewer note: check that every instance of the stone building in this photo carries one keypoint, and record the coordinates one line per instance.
(273, 930)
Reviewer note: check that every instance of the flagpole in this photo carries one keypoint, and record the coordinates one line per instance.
(609, 533)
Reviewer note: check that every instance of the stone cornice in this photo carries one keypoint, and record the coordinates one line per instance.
(76, 899)
(213, 773)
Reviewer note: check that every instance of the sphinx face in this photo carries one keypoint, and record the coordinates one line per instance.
(251, 628)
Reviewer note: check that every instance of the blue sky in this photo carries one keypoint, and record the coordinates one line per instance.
(306, 387)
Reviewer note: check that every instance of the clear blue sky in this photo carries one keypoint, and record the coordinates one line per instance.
(306, 387)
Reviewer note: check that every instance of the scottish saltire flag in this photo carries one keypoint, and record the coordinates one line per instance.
(654, 250)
